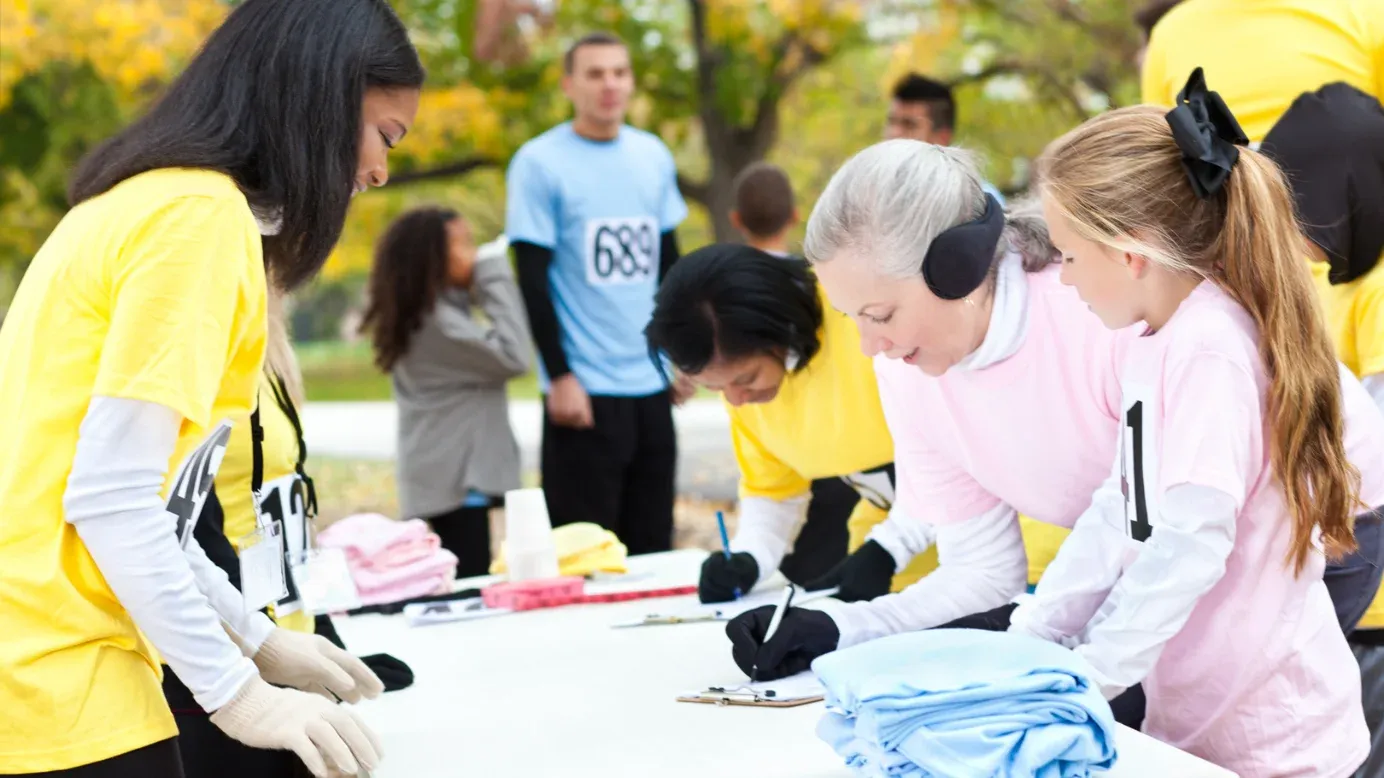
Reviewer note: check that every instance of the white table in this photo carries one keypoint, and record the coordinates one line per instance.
(558, 692)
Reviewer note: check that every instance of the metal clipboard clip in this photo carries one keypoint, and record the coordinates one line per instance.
(654, 619)
(726, 695)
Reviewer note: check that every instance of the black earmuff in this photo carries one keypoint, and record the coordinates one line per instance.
(959, 259)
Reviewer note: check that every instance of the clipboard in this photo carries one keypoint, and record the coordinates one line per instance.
(800, 689)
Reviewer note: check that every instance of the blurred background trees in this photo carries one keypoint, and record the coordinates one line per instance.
(803, 83)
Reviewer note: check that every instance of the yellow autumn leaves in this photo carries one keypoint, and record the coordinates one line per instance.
(130, 43)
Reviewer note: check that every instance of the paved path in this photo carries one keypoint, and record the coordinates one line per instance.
(367, 430)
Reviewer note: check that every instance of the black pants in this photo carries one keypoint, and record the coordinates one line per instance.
(1354, 580)
(821, 543)
(619, 474)
(157, 760)
(466, 532)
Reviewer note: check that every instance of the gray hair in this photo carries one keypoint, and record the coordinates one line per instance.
(890, 201)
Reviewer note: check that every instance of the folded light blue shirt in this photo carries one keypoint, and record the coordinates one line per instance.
(961, 703)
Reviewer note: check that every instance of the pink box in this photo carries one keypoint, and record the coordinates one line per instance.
(537, 593)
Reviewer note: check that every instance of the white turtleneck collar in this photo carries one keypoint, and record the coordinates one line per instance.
(268, 223)
(1008, 317)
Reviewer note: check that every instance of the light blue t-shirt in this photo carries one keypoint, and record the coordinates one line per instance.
(601, 206)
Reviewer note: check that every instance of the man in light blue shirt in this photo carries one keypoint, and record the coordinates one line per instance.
(924, 109)
(592, 206)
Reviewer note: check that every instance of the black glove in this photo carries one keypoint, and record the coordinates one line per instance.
(721, 576)
(802, 636)
(864, 575)
(996, 620)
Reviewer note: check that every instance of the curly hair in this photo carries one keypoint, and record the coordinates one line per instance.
(410, 270)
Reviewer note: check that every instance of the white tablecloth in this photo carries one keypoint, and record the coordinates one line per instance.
(558, 692)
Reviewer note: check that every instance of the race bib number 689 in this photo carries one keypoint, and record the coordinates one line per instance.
(621, 251)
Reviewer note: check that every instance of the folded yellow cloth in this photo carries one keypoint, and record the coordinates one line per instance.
(582, 549)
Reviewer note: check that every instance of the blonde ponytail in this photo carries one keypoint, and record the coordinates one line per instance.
(279, 358)
(1264, 269)
(1120, 180)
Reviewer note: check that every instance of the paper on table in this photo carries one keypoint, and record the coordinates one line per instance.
(724, 611)
(420, 613)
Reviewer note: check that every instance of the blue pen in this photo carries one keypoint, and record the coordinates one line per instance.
(725, 542)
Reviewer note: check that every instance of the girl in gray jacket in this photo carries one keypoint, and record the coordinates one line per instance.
(449, 365)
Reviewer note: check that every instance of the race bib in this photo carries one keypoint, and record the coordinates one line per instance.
(263, 579)
(621, 251)
(194, 480)
(284, 504)
(1139, 461)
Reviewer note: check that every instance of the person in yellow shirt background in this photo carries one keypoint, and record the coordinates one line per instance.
(1305, 78)
(137, 332)
(765, 213)
(1269, 59)
(1262, 54)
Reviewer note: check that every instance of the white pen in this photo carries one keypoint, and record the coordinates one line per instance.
(774, 622)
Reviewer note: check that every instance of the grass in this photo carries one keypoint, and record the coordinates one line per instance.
(336, 371)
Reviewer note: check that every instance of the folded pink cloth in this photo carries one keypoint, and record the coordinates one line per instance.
(439, 562)
(378, 542)
(391, 560)
(438, 584)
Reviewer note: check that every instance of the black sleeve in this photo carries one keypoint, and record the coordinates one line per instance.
(531, 264)
(667, 253)
(210, 532)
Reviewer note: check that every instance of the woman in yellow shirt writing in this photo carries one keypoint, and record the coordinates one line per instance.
(134, 341)
(803, 405)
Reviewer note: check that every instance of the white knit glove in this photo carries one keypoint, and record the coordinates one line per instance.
(314, 664)
(324, 735)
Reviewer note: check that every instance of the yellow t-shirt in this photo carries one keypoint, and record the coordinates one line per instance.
(825, 422)
(280, 451)
(153, 291)
(1260, 55)
(1355, 319)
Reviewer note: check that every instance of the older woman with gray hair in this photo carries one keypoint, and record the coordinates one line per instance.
(1001, 392)
(998, 385)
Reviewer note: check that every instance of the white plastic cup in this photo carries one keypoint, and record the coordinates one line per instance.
(529, 549)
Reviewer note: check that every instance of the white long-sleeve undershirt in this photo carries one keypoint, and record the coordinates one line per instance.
(177, 599)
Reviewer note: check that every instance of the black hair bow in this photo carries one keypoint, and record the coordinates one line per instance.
(1208, 135)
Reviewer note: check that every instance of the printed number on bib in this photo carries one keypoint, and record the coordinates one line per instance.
(621, 251)
(283, 503)
(194, 479)
(1138, 463)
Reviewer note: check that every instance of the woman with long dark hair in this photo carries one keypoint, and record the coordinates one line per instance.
(137, 334)
(457, 452)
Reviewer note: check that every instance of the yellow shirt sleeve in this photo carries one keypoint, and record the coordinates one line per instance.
(175, 287)
(1374, 23)
(1153, 74)
(1368, 310)
(761, 473)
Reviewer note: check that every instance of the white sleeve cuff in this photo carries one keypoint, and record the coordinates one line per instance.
(981, 565)
(251, 629)
(765, 530)
(113, 501)
(903, 537)
(1178, 564)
